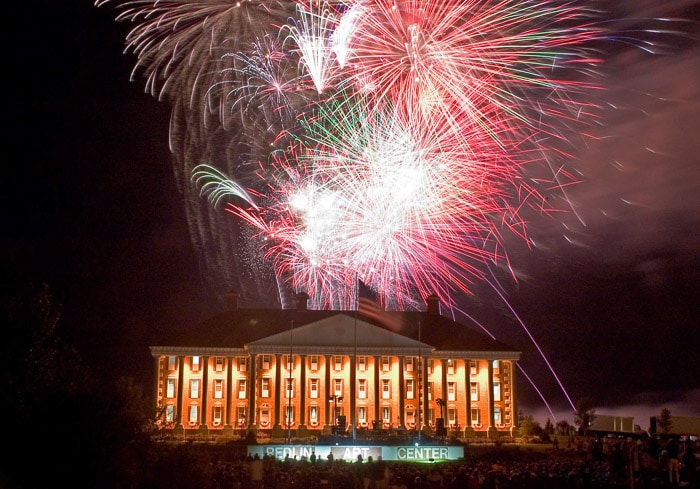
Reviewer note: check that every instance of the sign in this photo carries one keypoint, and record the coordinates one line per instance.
(350, 453)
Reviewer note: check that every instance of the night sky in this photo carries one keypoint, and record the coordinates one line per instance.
(610, 292)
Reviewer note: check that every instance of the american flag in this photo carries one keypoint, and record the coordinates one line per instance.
(368, 305)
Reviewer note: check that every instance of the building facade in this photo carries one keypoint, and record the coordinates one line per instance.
(320, 372)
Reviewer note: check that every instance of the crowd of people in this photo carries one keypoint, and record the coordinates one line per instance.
(583, 464)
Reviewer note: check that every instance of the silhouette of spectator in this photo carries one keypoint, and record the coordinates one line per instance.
(672, 451)
(255, 472)
(690, 466)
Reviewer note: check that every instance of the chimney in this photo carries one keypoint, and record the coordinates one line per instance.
(302, 298)
(433, 302)
(232, 300)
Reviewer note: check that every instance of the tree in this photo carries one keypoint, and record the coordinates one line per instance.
(548, 427)
(664, 421)
(528, 427)
(584, 414)
(563, 428)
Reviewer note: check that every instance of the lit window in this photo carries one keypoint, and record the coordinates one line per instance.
(290, 388)
(496, 391)
(289, 414)
(338, 362)
(242, 389)
(386, 364)
(290, 362)
(264, 417)
(362, 389)
(170, 390)
(408, 362)
(242, 364)
(313, 414)
(452, 417)
(314, 362)
(451, 391)
(450, 367)
(409, 389)
(196, 363)
(194, 388)
(266, 361)
(361, 364)
(172, 362)
(386, 389)
(265, 387)
(386, 415)
(496, 365)
(338, 387)
(473, 367)
(362, 414)
(219, 364)
(497, 415)
(218, 412)
(170, 413)
(194, 414)
(313, 388)
(476, 418)
(240, 416)
(474, 386)
(218, 389)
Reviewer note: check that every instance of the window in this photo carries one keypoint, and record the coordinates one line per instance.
(430, 366)
(172, 362)
(194, 388)
(337, 387)
(451, 391)
(452, 417)
(290, 362)
(362, 389)
(497, 416)
(386, 364)
(474, 387)
(361, 364)
(313, 415)
(496, 365)
(386, 389)
(408, 364)
(338, 362)
(265, 417)
(362, 414)
(265, 387)
(314, 362)
(313, 388)
(289, 388)
(410, 394)
(431, 388)
(196, 363)
(496, 391)
(266, 361)
(450, 367)
(217, 414)
(431, 416)
(170, 390)
(242, 364)
(241, 416)
(289, 415)
(242, 389)
(219, 364)
(218, 389)
(473, 367)
(194, 414)
(386, 415)
(476, 419)
(170, 413)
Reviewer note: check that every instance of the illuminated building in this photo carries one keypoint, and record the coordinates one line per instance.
(308, 372)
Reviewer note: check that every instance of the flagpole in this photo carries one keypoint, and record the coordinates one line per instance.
(288, 418)
(420, 384)
(354, 359)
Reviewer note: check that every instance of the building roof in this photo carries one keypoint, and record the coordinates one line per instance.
(262, 329)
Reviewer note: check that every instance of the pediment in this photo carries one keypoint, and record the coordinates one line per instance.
(341, 331)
